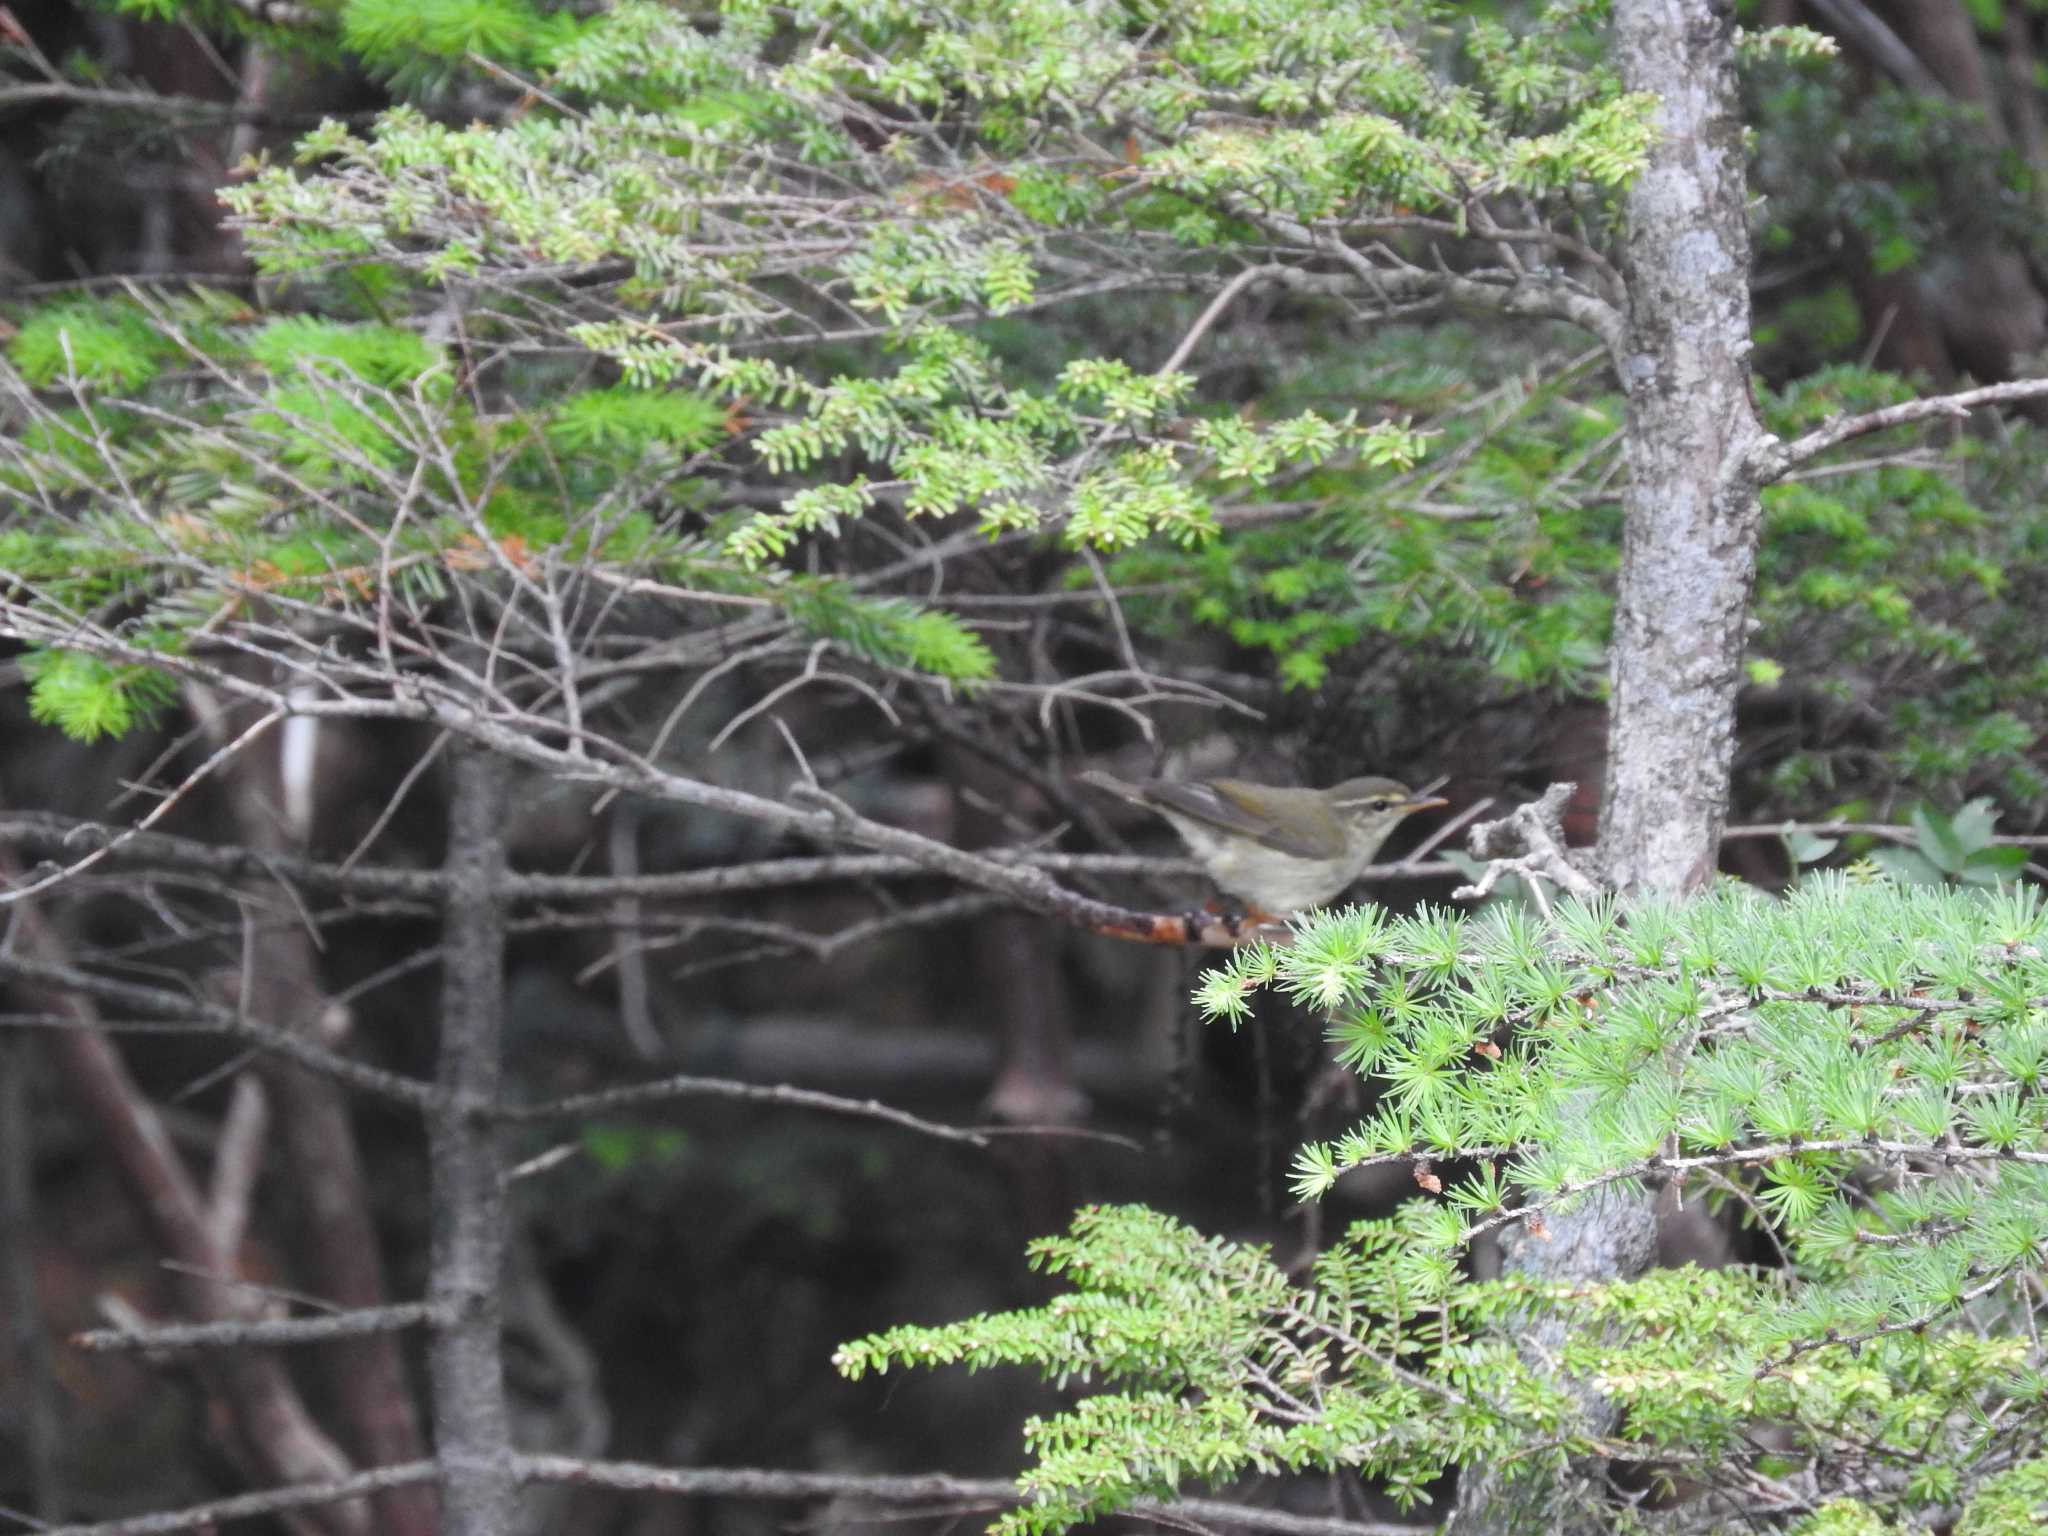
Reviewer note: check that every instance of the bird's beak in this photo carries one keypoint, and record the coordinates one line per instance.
(1432, 803)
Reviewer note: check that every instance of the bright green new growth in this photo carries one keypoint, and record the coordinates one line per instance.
(746, 138)
(317, 468)
(1859, 1066)
(728, 175)
(855, 253)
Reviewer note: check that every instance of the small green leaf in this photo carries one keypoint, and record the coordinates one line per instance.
(1973, 825)
(1988, 866)
(1809, 848)
(1938, 842)
(1908, 866)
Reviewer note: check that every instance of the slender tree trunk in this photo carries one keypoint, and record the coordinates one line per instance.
(471, 1425)
(1692, 511)
(1688, 565)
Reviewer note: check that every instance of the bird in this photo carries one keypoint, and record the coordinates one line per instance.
(1277, 849)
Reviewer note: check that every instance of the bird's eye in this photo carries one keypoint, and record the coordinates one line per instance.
(1382, 805)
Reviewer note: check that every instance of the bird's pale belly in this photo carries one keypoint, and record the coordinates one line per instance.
(1262, 877)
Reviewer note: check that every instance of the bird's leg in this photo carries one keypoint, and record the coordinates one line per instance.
(1242, 916)
(1240, 920)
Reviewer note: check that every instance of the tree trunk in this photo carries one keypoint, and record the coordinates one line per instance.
(471, 1426)
(1688, 565)
(1692, 510)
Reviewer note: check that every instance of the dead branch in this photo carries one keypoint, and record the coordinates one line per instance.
(930, 1488)
(1528, 841)
(1773, 457)
(607, 1100)
(260, 1333)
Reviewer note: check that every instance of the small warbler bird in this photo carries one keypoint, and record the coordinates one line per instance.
(1278, 849)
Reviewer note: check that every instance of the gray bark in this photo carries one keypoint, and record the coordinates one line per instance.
(1692, 510)
(1613, 1234)
(1693, 517)
(479, 1483)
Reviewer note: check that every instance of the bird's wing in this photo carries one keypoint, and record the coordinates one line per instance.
(1230, 805)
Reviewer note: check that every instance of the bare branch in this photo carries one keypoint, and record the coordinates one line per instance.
(247, 1506)
(237, 1161)
(1529, 841)
(946, 1493)
(1215, 311)
(70, 93)
(1870, 35)
(1885, 830)
(661, 1090)
(178, 1005)
(929, 1488)
(18, 889)
(260, 1333)
(37, 829)
(275, 1430)
(1773, 457)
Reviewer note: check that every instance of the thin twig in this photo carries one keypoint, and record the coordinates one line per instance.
(738, 1483)
(1773, 457)
(631, 1095)
(248, 1506)
(261, 1333)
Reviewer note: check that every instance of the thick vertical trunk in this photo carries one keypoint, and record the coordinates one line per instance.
(1688, 565)
(1689, 555)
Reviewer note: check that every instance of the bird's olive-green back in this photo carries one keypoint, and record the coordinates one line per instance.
(1299, 822)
